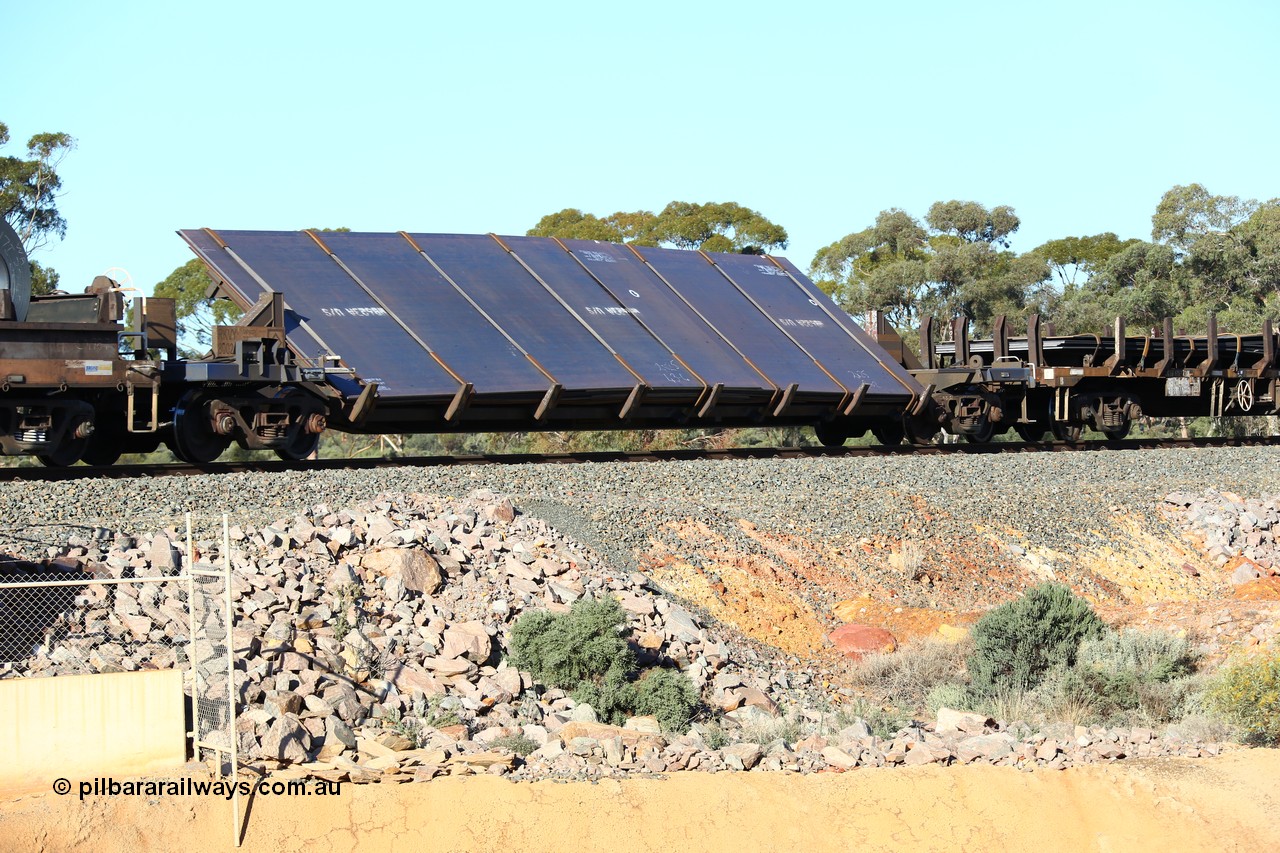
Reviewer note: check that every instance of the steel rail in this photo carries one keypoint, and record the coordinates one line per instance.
(124, 472)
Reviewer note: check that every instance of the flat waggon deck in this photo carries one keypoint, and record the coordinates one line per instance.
(480, 332)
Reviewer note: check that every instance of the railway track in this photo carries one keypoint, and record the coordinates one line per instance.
(127, 472)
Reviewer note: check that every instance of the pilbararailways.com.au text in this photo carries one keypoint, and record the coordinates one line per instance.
(186, 787)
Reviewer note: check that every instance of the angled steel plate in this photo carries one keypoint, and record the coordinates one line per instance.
(624, 328)
(479, 332)
(424, 301)
(335, 310)
(635, 287)
(809, 317)
(531, 316)
(752, 331)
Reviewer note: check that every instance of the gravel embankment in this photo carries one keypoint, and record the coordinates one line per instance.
(1062, 502)
(374, 643)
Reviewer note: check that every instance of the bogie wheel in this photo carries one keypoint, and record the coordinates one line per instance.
(829, 435)
(68, 453)
(920, 434)
(889, 434)
(1117, 433)
(104, 447)
(984, 433)
(1064, 431)
(301, 447)
(194, 440)
(1030, 432)
(101, 455)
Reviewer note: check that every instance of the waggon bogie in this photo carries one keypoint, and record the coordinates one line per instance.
(1043, 382)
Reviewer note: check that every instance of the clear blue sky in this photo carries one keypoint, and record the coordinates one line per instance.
(475, 117)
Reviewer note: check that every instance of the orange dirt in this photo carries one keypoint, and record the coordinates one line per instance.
(742, 590)
(799, 588)
(1227, 803)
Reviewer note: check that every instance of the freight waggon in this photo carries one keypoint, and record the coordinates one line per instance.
(406, 332)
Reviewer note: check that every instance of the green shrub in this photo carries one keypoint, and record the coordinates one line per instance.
(405, 726)
(1127, 677)
(1151, 656)
(437, 717)
(585, 652)
(1171, 701)
(1247, 693)
(669, 696)
(714, 736)
(1017, 644)
(947, 695)
(1095, 694)
(612, 698)
(566, 649)
(518, 744)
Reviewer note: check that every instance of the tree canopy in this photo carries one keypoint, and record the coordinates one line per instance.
(956, 262)
(196, 313)
(29, 189)
(714, 227)
(1208, 254)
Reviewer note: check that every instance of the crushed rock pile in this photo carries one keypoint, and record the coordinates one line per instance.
(1242, 535)
(370, 645)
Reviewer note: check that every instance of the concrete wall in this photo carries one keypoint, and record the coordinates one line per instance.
(79, 727)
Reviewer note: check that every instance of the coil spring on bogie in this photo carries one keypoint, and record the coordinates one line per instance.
(271, 425)
(1112, 414)
(1112, 418)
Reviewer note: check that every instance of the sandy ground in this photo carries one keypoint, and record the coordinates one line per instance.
(1224, 803)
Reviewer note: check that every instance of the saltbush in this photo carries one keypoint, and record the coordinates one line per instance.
(1151, 656)
(1128, 676)
(1019, 643)
(585, 653)
(669, 696)
(566, 649)
(518, 744)
(948, 694)
(612, 697)
(1247, 692)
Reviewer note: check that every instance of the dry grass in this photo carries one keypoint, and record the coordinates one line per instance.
(907, 677)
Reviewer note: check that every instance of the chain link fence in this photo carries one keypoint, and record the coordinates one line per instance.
(85, 597)
(88, 596)
(213, 696)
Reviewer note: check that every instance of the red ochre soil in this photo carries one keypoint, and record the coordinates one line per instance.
(795, 592)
